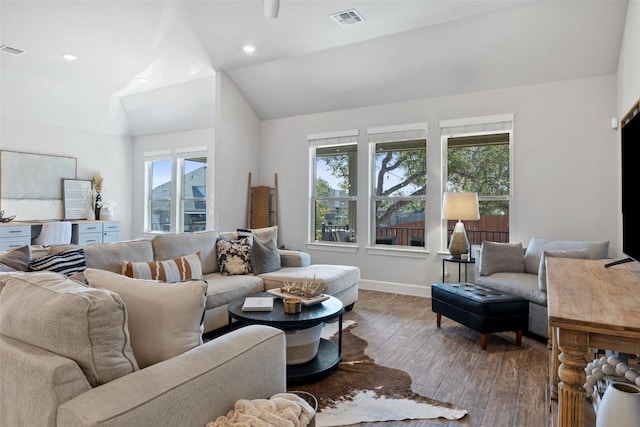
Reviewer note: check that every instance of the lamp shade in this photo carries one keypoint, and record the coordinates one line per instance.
(460, 206)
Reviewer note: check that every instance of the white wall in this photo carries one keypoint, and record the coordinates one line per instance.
(46, 117)
(564, 160)
(629, 64)
(237, 154)
(232, 148)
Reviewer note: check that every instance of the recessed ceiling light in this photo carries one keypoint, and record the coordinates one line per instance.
(142, 79)
(69, 56)
(249, 48)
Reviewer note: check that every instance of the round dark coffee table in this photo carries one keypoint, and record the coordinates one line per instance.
(328, 355)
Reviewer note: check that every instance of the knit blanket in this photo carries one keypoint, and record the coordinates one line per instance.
(281, 410)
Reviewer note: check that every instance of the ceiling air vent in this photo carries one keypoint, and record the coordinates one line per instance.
(10, 50)
(348, 17)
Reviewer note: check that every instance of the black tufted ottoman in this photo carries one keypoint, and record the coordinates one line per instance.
(479, 308)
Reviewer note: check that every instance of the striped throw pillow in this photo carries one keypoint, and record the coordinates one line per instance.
(174, 270)
(67, 262)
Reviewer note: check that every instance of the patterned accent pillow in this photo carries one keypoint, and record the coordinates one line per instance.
(234, 256)
(265, 256)
(66, 262)
(170, 271)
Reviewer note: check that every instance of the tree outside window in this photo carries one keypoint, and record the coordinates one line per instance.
(399, 188)
(335, 193)
(481, 164)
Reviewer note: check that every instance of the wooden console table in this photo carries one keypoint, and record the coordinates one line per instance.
(589, 306)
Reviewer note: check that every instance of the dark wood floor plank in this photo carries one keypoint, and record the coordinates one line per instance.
(501, 386)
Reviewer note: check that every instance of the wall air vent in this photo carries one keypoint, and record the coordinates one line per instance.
(10, 50)
(348, 17)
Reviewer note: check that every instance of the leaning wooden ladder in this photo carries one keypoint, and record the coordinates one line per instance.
(262, 205)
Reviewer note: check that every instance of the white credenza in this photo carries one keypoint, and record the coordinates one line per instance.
(13, 236)
(89, 232)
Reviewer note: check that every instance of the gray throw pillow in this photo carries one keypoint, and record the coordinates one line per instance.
(265, 257)
(501, 258)
(17, 259)
(542, 270)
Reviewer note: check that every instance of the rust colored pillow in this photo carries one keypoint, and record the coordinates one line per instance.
(174, 270)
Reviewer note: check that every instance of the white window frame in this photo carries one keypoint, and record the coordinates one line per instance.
(484, 125)
(177, 200)
(337, 138)
(395, 133)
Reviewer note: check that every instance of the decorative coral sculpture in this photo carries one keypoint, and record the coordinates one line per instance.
(306, 289)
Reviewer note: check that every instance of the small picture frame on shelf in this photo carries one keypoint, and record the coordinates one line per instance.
(75, 193)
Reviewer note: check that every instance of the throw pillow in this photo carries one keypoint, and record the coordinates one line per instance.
(597, 250)
(17, 259)
(266, 233)
(65, 317)
(234, 256)
(174, 270)
(265, 256)
(542, 270)
(165, 319)
(66, 262)
(501, 257)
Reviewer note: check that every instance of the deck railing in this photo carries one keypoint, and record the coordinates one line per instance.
(412, 236)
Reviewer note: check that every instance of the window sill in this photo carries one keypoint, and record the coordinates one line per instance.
(333, 247)
(400, 251)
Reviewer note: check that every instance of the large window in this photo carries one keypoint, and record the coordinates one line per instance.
(478, 159)
(334, 186)
(176, 191)
(398, 184)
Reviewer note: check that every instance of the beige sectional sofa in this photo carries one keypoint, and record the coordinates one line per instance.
(519, 270)
(110, 350)
(341, 281)
(66, 360)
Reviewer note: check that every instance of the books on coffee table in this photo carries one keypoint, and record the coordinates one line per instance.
(257, 304)
(305, 300)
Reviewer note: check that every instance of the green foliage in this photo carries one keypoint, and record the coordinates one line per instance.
(483, 169)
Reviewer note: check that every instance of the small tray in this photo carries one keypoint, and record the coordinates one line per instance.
(305, 301)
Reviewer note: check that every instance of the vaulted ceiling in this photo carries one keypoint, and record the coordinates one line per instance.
(304, 61)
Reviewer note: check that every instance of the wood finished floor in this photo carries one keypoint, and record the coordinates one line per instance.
(502, 386)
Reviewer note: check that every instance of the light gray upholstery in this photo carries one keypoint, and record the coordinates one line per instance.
(86, 325)
(341, 280)
(528, 284)
(598, 250)
(41, 388)
(168, 246)
(501, 257)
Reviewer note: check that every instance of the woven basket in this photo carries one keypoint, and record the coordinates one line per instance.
(261, 207)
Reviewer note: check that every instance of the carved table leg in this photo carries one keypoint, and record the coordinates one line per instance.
(571, 392)
(554, 363)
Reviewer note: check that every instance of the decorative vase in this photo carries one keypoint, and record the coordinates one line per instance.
(620, 406)
(98, 201)
(106, 214)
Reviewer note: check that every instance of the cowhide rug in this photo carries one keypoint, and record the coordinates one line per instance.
(359, 390)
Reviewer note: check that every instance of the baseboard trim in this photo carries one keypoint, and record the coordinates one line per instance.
(395, 288)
